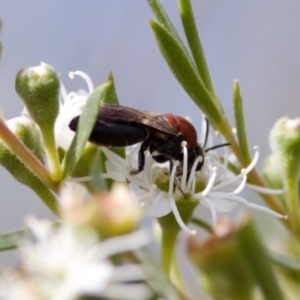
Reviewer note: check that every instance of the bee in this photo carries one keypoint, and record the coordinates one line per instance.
(161, 134)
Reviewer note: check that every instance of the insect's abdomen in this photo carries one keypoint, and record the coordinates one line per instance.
(113, 135)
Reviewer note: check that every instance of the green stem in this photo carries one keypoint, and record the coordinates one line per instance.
(25, 155)
(52, 155)
(176, 276)
(46, 195)
(167, 250)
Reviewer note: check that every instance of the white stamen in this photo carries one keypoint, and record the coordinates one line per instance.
(254, 161)
(228, 182)
(210, 183)
(257, 207)
(264, 190)
(71, 75)
(85, 77)
(192, 174)
(242, 184)
(185, 166)
(178, 217)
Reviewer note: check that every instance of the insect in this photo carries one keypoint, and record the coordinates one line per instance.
(161, 134)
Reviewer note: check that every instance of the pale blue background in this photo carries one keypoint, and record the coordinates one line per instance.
(257, 42)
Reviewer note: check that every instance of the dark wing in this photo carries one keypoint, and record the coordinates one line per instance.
(117, 114)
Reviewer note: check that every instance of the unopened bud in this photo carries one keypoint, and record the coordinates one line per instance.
(285, 145)
(109, 213)
(220, 259)
(38, 87)
(117, 211)
(285, 138)
(29, 134)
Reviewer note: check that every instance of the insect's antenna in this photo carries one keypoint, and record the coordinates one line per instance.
(206, 132)
(218, 146)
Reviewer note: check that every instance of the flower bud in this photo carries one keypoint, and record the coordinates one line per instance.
(38, 87)
(29, 134)
(109, 213)
(224, 271)
(285, 138)
(285, 144)
(272, 173)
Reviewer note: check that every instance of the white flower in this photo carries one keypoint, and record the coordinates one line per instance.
(221, 187)
(66, 264)
(221, 192)
(71, 105)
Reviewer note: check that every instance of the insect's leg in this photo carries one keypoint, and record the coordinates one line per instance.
(144, 147)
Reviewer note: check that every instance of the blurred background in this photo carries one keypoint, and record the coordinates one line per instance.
(256, 42)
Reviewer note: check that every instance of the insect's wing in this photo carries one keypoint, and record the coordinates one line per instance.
(120, 126)
(116, 114)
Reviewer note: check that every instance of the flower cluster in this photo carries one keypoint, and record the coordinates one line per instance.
(67, 263)
(214, 186)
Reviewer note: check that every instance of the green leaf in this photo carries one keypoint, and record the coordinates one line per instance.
(164, 20)
(85, 126)
(182, 68)
(10, 241)
(257, 258)
(191, 32)
(111, 96)
(96, 169)
(240, 123)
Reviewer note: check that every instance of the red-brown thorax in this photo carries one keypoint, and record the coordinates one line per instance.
(184, 127)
